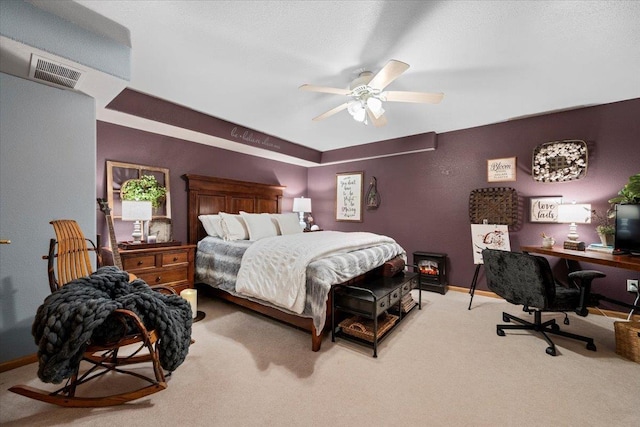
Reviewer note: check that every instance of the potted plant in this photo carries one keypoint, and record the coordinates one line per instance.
(630, 193)
(604, 227)
(145, 188)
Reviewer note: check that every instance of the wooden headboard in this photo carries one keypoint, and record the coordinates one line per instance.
(209, 195)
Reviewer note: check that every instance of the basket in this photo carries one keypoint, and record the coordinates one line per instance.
(363, 328)
(628, 340)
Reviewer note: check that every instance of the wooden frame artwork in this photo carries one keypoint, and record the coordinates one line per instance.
(544, 209)
(349, 191)
(500, 170)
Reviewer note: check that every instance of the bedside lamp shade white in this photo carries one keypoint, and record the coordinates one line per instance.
(191, 295)
(136, 211)
(301, 205)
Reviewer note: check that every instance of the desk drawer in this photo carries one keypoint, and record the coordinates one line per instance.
(165, 276)
(138, 262)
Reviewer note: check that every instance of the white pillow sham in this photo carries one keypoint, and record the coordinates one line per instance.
(211, 224)
(233, 227)
(288, 223)
(259, 225)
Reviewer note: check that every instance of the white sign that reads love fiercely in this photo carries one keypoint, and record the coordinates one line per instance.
(501, 169)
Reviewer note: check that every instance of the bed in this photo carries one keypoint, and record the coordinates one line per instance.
(309, 311)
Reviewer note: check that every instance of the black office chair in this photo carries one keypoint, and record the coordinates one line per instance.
(527, 280)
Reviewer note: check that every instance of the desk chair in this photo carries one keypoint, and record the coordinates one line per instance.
(527, 280)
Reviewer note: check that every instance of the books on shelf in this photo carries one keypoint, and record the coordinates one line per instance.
(407, 303)
(599, 247)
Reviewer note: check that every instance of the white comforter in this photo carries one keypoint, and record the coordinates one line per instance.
(274, 269)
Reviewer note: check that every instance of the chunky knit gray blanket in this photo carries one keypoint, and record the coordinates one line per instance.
(81, 310)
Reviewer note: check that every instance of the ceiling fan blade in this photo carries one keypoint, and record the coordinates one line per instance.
(377, 121)
(421, 97)
(331, 112)
(325, 89)
(387, 74)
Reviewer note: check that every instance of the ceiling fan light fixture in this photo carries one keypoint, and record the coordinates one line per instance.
(360, 115)
(375, 105)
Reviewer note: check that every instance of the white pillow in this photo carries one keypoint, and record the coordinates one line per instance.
(288, 223)
(211, 224)
(259, 225)
(233, 227)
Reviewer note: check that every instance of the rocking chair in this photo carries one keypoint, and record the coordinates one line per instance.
(73, 262)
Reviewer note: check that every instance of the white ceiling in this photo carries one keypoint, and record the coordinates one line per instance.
(243, 61)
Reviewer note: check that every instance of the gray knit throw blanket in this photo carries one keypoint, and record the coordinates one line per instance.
(81, 310)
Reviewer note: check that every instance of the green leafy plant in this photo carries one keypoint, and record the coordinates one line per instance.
(604, 223)
(630, 193)
(145, 188)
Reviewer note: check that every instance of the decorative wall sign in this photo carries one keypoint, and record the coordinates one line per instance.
(499, 170)
(545, 209)
(560, 161)
(373, 196)
(349, 190)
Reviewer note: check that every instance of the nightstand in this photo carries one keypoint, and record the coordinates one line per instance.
(168, 265)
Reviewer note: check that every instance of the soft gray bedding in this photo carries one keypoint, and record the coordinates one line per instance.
(218, 262)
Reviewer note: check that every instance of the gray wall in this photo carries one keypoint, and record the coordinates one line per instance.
(47, 171)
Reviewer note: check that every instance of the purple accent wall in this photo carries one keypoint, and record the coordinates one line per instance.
(181, 157)
(425, 196)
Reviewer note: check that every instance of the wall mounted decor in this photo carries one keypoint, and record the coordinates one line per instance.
(544, 209)
(373, 196)
(495, 205)
(349, 191)
(499, 170)
(560, 161)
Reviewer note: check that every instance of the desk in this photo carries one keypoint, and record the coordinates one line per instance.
(627, 262)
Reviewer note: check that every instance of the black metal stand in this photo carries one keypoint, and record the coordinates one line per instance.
(199, 316)
(472, 290)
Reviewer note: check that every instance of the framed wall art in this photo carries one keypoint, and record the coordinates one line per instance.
(500, 170)
(544, 209)
(349, 189)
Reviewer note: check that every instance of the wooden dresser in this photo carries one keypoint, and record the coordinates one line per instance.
(170, 265)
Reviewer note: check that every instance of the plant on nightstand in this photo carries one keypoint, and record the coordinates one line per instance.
(145, 188)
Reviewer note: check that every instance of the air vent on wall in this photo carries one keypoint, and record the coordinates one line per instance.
(54, 73)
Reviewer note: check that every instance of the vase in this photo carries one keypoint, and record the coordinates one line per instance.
(606, 239)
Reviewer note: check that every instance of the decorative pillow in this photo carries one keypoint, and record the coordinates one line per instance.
(259, 225)
(233, 227)
(211, 224)
(288, 223)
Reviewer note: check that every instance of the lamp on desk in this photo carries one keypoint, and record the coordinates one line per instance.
(136, 211)
(302, 205)
(574, 214)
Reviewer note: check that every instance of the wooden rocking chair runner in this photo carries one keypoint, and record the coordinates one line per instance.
(73, 262)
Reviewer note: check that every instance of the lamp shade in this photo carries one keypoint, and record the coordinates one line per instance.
(574, 213)
(300, 204)
(133, 210)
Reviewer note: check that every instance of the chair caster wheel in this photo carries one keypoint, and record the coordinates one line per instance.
(505, 318)
(500, 332)
(555, 327)
(551, 351)
(591, 346)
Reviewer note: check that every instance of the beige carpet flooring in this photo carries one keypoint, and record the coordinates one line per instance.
(444, 366)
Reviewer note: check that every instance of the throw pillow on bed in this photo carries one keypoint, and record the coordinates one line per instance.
(288, 223)
(211, 224)
(259, 225)
(233, 227)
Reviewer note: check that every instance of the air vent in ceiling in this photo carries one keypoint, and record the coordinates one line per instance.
(54, 73)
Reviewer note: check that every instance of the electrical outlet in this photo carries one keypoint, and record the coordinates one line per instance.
(632, 285)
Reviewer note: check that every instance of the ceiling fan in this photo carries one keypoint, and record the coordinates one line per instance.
(366, 94)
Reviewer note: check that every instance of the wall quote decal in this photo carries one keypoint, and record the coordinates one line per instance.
(349, 189)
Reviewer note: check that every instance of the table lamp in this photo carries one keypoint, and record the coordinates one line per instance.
(136, 211)
(302, 205)
(574, 214)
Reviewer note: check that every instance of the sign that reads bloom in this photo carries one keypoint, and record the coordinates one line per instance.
(499, 170)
